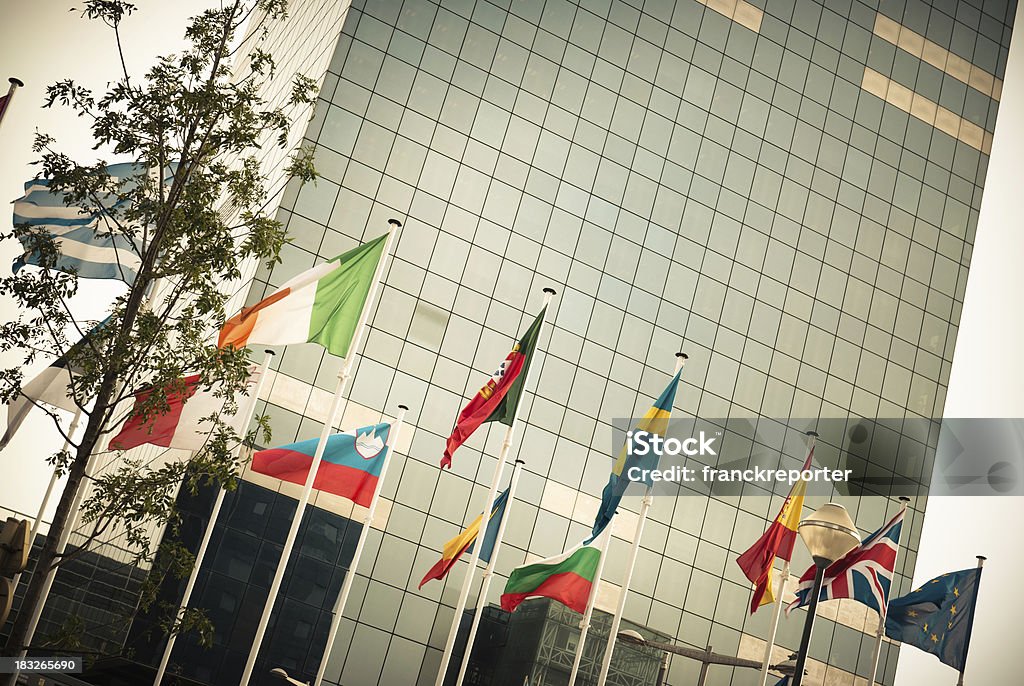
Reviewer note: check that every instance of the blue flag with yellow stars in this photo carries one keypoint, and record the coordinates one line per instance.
(937, 617)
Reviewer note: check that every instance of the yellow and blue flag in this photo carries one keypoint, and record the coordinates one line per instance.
(937, 617)
(655, 421)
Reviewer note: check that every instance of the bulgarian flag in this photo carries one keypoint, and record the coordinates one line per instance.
(777, 541)
(350, 466)
(498, 399)
(184, 425)
(464, 542)
(321, 305)
(567, 578)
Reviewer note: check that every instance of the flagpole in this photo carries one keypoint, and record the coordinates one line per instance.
(634, 551)
(591, 601)
(485, 584)
(248, 414)
(783, 580)
(15, 85)
(54, 478)
(492, 494)
(307, 489)
(876, 654)
(970, 618)
(364, 535)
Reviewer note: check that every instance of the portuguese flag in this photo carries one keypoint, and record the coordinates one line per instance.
(566, 578)
(498, 399)
(321, 305)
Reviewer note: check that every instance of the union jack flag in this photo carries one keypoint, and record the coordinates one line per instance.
(864, 574)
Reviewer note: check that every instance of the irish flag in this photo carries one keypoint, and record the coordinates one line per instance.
(350, 466)
(566, 578)
(184, 425)
(321, 305)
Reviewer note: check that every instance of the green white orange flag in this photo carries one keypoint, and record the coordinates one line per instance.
(566, 578)
(321, 305)
(777, 541)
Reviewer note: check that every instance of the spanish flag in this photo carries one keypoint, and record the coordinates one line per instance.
(777, 541)
(462, 543)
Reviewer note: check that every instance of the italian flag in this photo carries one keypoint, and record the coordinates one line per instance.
(321, 305)
(566, 578)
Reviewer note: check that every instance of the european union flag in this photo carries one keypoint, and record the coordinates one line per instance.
(937, 617)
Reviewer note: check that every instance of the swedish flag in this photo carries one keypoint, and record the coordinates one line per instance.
(655, 421)
(937, 617)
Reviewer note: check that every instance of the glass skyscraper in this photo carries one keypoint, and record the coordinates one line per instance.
(786, 190)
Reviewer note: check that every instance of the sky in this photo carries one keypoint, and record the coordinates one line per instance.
(988, 368)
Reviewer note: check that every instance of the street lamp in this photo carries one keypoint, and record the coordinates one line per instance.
(283, 676)
(828, 534)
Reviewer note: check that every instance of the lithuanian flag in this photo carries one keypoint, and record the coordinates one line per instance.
(566, 578)
(777, 541)
(321, 305)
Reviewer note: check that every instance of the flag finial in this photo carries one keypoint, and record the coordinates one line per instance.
(394, 222)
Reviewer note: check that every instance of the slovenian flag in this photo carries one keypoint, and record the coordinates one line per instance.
(321, 305)
(499, 397)
(185, 424)
(566, 578)
(350, 466)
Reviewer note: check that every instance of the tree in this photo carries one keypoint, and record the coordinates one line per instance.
(194, 212)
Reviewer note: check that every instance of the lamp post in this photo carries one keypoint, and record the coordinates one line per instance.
(829, 534)
(283, 676)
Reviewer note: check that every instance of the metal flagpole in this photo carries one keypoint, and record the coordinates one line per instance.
(777, 610)
(485, 585)
(54, 478)
(15, 85)
(499, 468)
(248, 414)
(970, 618)
(880, 634)
(307, 489)
(645, 507)
(589, 613)
(364, 535)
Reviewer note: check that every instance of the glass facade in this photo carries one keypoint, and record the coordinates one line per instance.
(233, 583)
(788, 191)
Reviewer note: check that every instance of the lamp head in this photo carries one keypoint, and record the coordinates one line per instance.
(829, 534)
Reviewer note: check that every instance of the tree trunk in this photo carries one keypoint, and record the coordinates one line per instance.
(47, 555)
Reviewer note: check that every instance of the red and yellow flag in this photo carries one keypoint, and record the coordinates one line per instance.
(777, 541)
